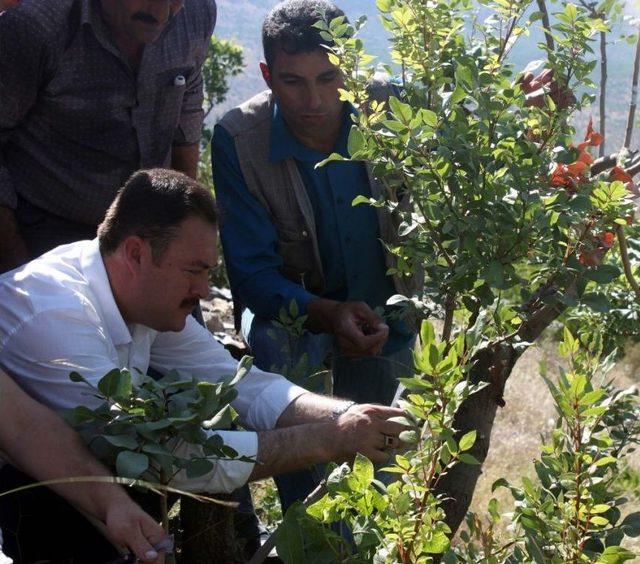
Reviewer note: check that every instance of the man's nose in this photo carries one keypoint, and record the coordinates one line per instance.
(314, 99)
(200, 288)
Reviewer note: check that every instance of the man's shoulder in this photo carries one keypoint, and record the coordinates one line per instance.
(255, 112)
(200, 16)
(53, 282)
(44, 21)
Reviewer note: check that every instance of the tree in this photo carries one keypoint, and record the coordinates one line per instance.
(511, 223)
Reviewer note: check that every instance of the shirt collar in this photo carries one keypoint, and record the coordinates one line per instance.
(283, 144)
(95, 272)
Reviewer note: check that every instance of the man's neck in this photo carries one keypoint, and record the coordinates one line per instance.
(321, 143)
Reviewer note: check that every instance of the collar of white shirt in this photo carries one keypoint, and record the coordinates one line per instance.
(95, 272)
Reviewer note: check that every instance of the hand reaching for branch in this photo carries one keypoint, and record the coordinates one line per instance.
(358, 329)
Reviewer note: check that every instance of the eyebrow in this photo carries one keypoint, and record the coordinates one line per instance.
(201, 264)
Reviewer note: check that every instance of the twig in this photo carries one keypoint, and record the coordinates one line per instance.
(603, 90)
(624, 255)
(634, 95)
(546, 25)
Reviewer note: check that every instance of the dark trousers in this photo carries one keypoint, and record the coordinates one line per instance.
(38, 525)
(43, 231)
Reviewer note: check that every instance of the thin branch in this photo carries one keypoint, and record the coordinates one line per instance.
(624, 254)
(603, 90)
(546, 25)
(634, 95)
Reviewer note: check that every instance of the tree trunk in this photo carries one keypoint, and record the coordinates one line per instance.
(477, 412)
(207, 532)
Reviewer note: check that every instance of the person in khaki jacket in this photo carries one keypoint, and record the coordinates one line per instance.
(289, 231)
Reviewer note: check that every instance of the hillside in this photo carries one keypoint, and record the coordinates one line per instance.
(241, 20)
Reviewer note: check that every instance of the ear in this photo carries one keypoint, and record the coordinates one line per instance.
(135, 252)
(266, 73)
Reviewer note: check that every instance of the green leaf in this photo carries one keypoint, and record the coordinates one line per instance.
(427, 334)
(402, 111)
(77, 377)
(361, 200)
(131, 464)
(468, 459)
(356, 141)
(116, 384)
(631, 525)
(121, 441)
(437, 544)
(221, 420)
(468, 440)
(615, 555)
(363, 470)
(596, 301)
(603, 274)
(198, 467)
(410, 436)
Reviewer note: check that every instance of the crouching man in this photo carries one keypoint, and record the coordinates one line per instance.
(123, 301)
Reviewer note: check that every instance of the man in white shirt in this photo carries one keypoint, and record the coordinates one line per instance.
(124, 299)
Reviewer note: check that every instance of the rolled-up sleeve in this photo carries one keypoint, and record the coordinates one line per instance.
(227, 475)
(262, 396)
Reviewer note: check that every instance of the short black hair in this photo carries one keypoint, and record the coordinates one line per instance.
(289, 26)
(152, 205)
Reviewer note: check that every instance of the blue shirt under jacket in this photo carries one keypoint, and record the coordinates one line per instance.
(351, 253)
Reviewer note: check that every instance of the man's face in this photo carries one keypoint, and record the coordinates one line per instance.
(305, 86)
(169, 290)
(141, 20)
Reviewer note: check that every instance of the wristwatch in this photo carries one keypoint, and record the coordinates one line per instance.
(338, 411)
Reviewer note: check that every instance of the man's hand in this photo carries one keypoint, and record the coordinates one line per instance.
(129, 526)
(536, 88)
(358, 329)
(365, 429)
(13, 251)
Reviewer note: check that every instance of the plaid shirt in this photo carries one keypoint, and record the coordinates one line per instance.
(75, 120)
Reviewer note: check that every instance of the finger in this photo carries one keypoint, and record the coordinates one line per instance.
(384, 412)
(149, 534)
(377, 455)
(358, 342)
(392, 428)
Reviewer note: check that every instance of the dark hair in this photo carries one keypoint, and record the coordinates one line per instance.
(152, 205)
(289, 26)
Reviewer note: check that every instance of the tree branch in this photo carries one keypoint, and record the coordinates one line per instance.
(603, 90)
(624, 254)
(634, 96)
(546, 25)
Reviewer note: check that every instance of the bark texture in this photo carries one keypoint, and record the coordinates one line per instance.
(207, 532)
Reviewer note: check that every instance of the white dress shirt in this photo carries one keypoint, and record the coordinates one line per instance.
(58, 315)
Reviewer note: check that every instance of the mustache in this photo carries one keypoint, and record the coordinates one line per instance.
(145, 18)
(189, 302)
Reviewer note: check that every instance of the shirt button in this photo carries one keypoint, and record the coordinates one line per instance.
(340, 201)
(304, 233)
(179, 80)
